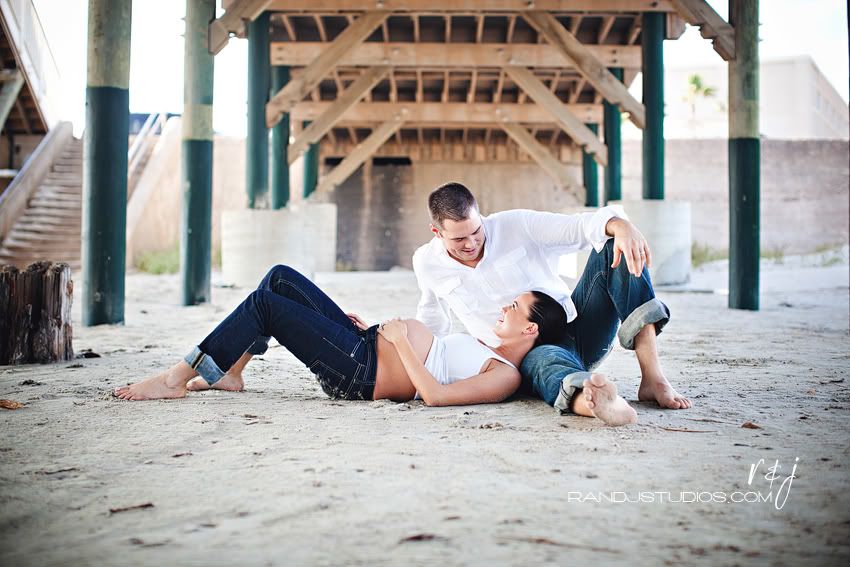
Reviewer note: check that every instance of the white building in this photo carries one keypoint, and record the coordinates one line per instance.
(796, 102)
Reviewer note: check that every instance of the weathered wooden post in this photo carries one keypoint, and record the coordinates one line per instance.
(35, 313)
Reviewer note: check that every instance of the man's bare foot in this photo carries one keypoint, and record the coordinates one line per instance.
(169, 384)
(660, 391)
(603, 400)
(230, 382)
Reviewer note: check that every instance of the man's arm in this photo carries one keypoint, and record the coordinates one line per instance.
(629, 244)
(568, 232)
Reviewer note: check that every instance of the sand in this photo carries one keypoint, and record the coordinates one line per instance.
(280, 475)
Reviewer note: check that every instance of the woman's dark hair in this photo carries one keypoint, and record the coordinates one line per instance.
(450, 201)
(550, 317)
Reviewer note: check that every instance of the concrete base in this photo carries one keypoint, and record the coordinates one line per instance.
(667, 227)
(302, 236)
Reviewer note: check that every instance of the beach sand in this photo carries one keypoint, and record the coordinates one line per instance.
(281, 475)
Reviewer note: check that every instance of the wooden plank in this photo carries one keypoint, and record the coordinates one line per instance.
(568, 122)
(590, 67)
(297, 88)
(363, 152)
(541, 155)
(712, 26)
(441, 55)
(331, 115)
(233, 22)
(451, 113)
(469, 6)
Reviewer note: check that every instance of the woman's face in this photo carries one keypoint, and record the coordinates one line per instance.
(514, 318)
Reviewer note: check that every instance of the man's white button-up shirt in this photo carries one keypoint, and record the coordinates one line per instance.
(521, 253)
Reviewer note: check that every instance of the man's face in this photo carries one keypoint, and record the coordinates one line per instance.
(463, 240)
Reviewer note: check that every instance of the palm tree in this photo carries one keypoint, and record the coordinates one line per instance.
(696, 90)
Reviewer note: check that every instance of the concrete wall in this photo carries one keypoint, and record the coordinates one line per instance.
(804, 190)
(804, 197)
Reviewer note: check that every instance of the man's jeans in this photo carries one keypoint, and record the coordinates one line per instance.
(604, 297)
(290, 308)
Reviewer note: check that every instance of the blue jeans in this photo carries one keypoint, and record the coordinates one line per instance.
(604, 297)
(290, 308)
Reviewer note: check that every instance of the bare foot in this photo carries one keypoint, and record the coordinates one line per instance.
(660, 391)
(169, 384)
(231, 382)
(603, 400)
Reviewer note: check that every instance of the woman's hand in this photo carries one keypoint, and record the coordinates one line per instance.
(393, 330)
(358, 322)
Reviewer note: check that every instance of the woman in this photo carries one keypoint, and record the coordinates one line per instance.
(399, 360)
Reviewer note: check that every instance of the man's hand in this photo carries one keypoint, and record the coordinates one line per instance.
(629, 244)
(358, 322)
(393, 330)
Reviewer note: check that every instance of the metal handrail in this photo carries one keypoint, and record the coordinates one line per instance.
(143, 142)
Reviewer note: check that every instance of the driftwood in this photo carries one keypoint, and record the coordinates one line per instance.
(35, 313)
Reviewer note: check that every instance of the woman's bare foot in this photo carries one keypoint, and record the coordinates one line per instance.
(660, 391)
(231, 382)
(169, 384)
(601, 397)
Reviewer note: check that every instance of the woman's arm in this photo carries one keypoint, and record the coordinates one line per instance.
(493, 385)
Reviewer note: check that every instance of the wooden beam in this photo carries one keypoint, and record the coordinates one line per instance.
(574, 96)
(290, 30)
(469, 6)
(452, 114)
(509, 36)
(557, 170)
(331, 115)
(711, 25)
(575, 128)
(473, 80)
(444, 97)
(23, 114)
(363, 151)
(500, 84)
(9, 89)
(298, 87)
(605, 28)
(233, 22)
(479, 28)
(415, 18)
(441, 55)
(321, 26)
(588, 65)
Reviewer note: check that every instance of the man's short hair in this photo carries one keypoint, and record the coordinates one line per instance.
(451, 201)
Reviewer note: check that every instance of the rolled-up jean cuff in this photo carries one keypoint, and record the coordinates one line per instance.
(259, 346)
(569, 385)
(204, 365)
(653, 311)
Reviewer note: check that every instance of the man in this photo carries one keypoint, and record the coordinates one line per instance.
(474, 264)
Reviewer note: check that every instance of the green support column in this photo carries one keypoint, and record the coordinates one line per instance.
(257, 142)
(652, 59)
(744, 158)
(590, 174)
(612, 126)
(105, 169)
(311, 167)
(196, 240)
(280, 145)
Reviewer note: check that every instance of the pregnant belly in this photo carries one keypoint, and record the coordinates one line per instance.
(392, 381)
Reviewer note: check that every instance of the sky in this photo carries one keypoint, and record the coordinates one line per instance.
(817, 28)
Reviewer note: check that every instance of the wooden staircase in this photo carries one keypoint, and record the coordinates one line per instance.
(50, 227)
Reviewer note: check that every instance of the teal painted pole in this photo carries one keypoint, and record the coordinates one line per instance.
(280, 145)
(590, 174)
(311, 167)
(105, 169)
(196, 241)
(612, 132)
(744, 158)
(257, 142)
(652, 59)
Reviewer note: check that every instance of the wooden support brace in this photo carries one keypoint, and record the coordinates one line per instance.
(568, 122)
(321, 125)
(9, 89)
(233, 22)
(541, 155)
(712, 26)
(363, 151)
(590, 67)
(296, 89)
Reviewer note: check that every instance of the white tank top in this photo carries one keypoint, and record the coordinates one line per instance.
(458, 356)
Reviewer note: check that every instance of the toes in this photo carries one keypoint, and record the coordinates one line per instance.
(598, 380)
